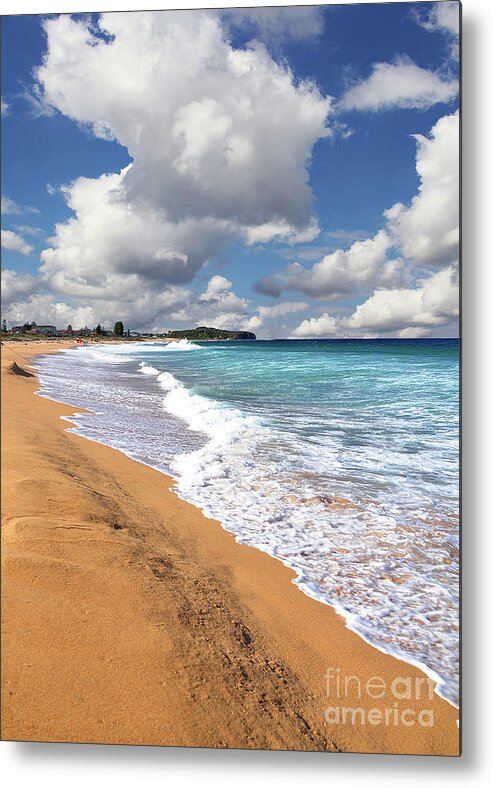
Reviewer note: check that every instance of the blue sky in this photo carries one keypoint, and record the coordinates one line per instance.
(345, 158)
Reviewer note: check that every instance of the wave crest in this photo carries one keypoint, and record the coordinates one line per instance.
(182, 344)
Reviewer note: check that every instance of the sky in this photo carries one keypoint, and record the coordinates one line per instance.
(290, 171)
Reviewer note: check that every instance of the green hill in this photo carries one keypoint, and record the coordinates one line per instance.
(204, 332)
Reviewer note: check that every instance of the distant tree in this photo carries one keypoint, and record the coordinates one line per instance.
(4, 325)
(98, 329)
(118, 330)
(27, 326)
(69, 327)
(205, 332)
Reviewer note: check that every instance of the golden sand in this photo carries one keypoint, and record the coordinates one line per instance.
(128, 617)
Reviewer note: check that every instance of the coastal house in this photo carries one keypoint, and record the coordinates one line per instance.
(44, 330)
(80, 332)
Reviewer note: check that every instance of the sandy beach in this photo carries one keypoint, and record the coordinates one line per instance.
(129, 617)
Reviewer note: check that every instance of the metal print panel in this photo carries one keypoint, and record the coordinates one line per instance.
(230, 367)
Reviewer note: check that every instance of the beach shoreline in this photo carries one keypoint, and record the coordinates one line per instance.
(205, 652)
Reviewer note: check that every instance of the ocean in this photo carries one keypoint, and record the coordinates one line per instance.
(340, 458)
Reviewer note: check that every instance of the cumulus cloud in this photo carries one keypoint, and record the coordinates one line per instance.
(401, 84)
(212, 160)
(404, 312)
(43, 309)
(15, 243)
(435, 302)
(220, 296)
(25, 298)
(5, 108)
(16, 286)
(324, 326)
(362, 267)
(111, 242)
(427, 230)
(217, 305)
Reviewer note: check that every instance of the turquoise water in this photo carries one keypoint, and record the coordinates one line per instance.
(340, 458)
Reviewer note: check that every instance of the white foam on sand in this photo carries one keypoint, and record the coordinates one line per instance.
(225, 479)
(146, 369)
(241, 476)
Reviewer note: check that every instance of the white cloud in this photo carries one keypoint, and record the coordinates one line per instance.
(362, 267)
(282, 309)
(276, 25)
(27, 229)
(5, 108)
(26, 298)
(45, 311)
(404, 312)
(216, 286)
(110, 240)
(23, 299)
(323, 326)
(414, 333)
(271, 318)
(220, 297)
(402, 85)
(9, 206)
(444, 18)
(39, 107)
(217, 306)
(427, 231)
(280, 231)
(435, 302)
(15, 243)
(252, 323)
(16, 286)
(212, 161)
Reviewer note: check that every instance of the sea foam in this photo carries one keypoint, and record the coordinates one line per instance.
(181, 344)
(335, 491)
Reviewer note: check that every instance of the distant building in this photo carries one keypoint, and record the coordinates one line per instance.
(81, 332)
(45, 330)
